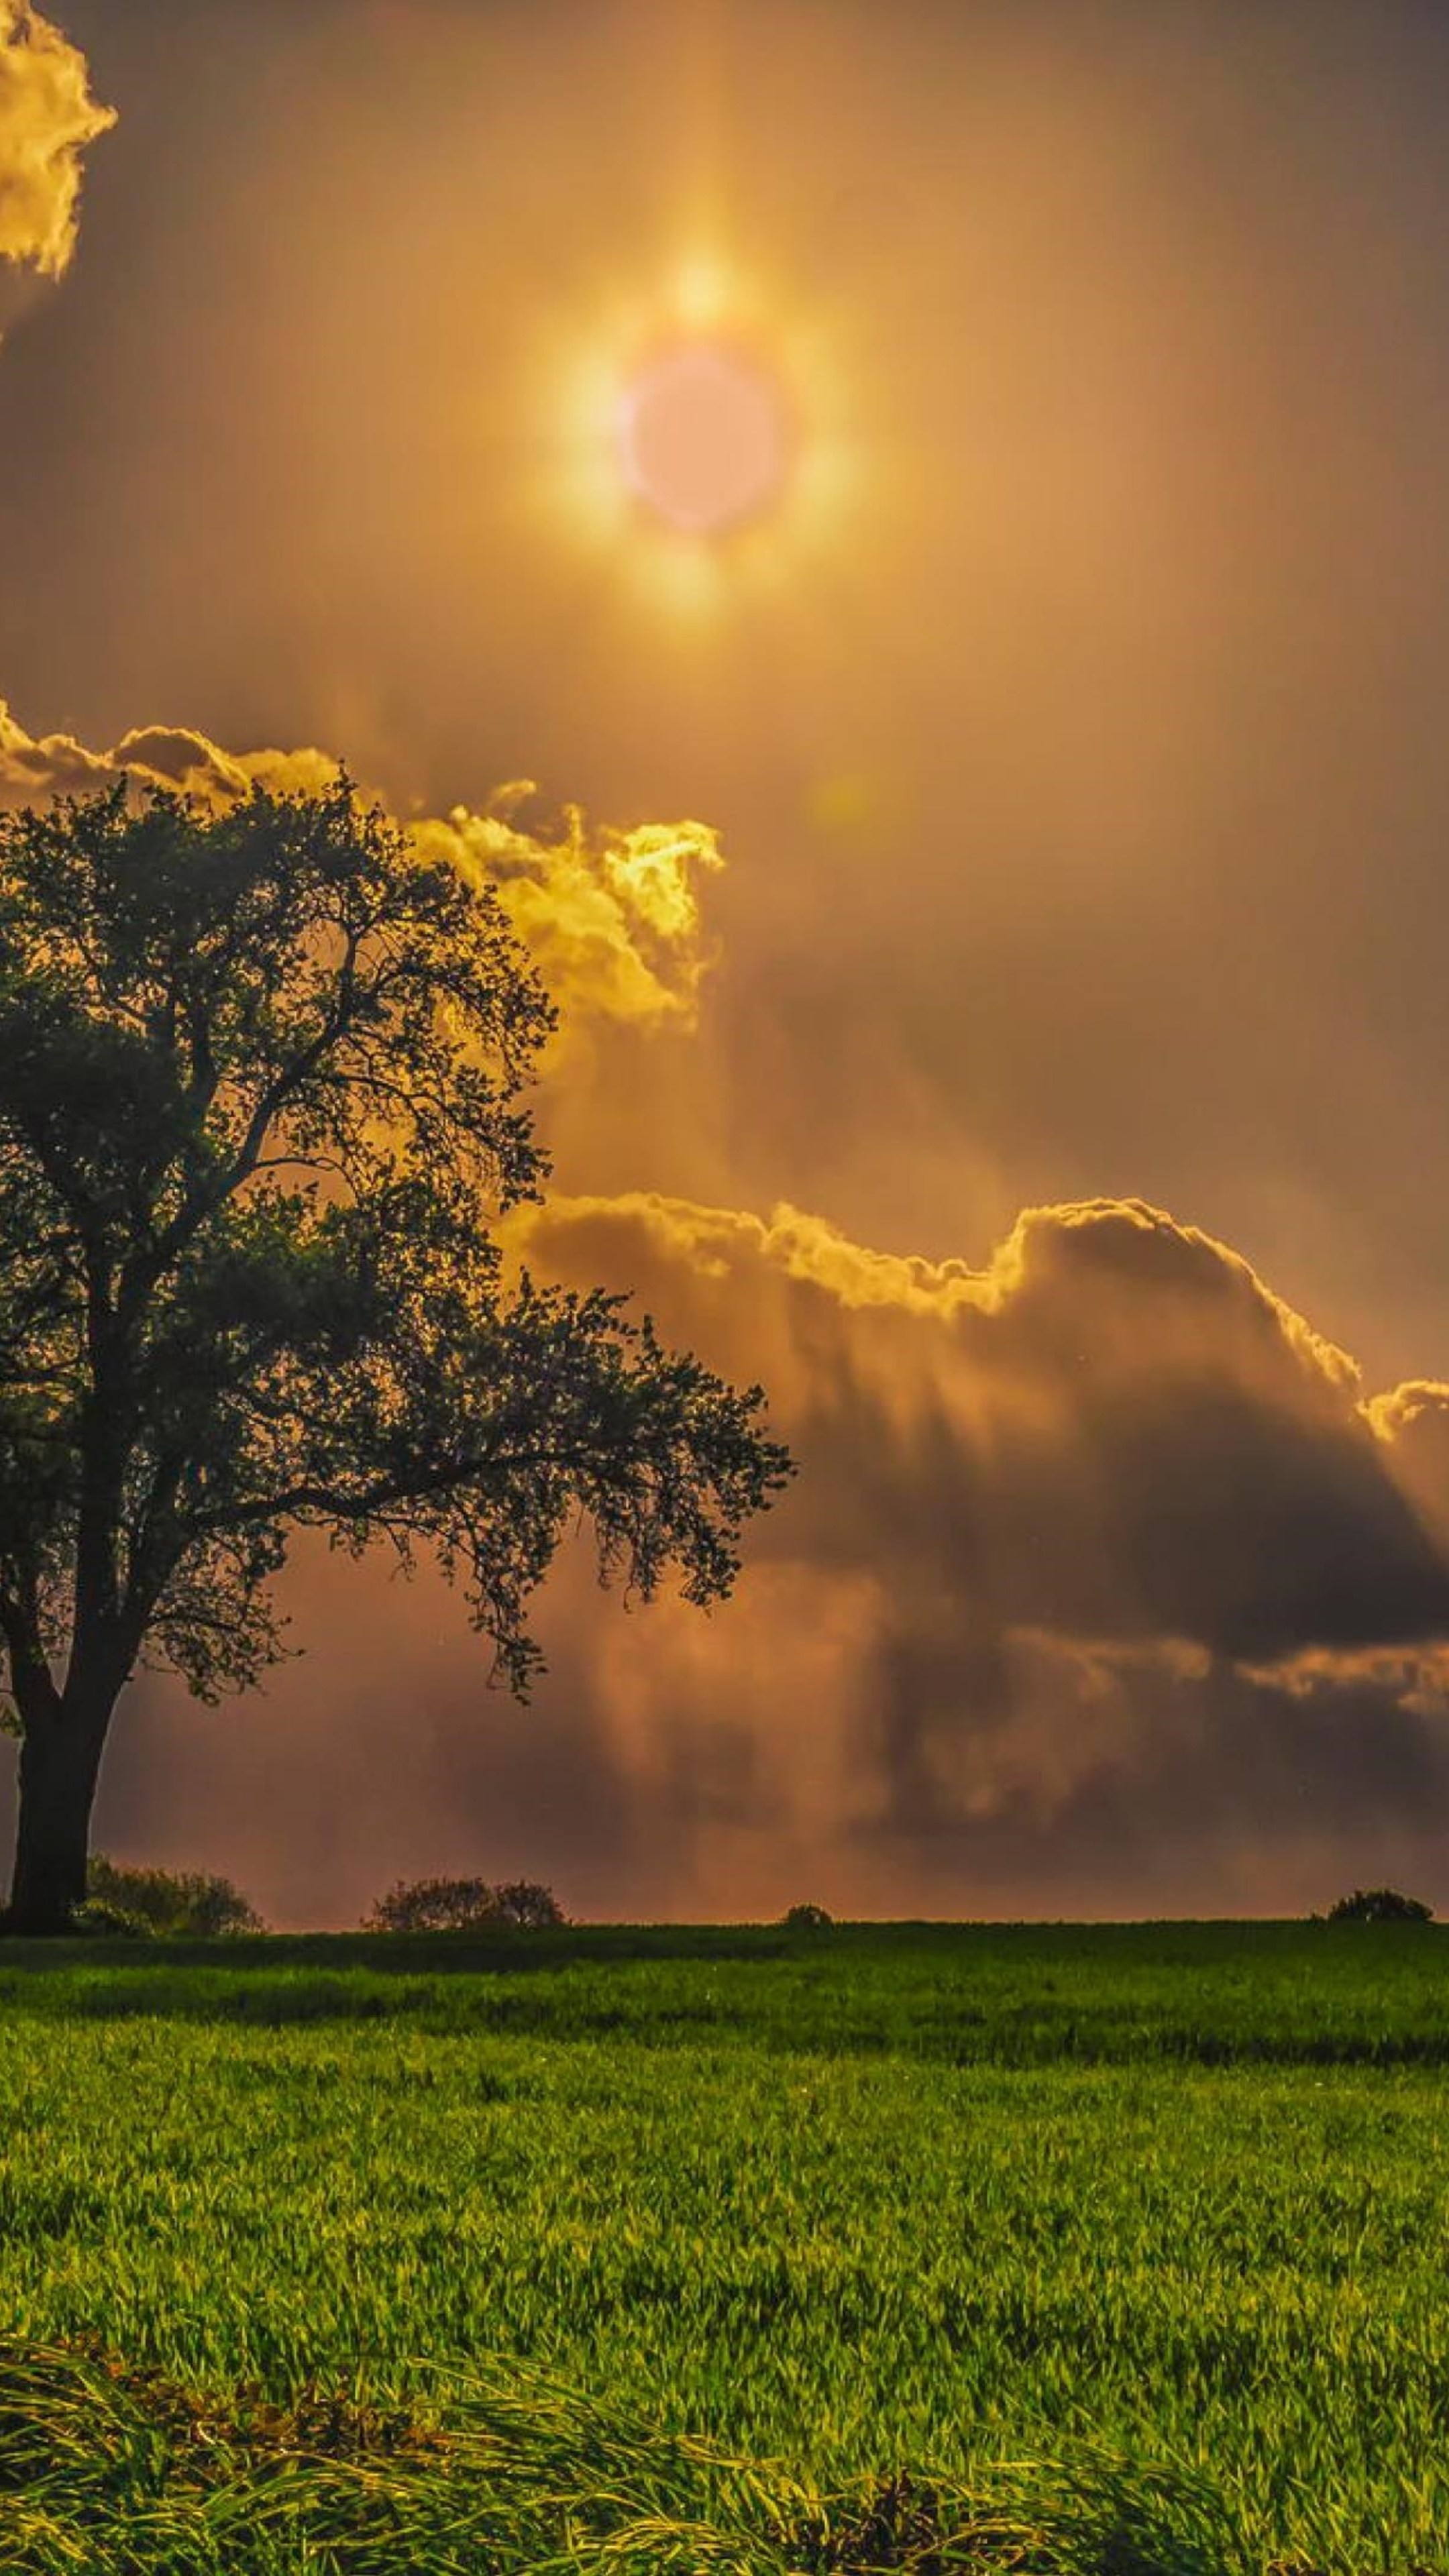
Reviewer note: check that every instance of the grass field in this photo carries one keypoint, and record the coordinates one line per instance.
(1119, 2249)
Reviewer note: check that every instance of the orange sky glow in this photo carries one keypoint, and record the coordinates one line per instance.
(911, 548)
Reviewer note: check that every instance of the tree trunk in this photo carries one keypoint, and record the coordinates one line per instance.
(60, 1760)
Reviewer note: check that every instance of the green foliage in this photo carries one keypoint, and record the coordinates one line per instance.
(260, 1075)
(528, 2476)
(98, 1918)
(464, 1905)
(1380, 1905)
(258, 1085)
(1129, 2238)
(807, 1918)
(191, 1904)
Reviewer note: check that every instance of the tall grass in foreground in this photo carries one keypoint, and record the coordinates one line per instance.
(1161, 2217)
(121, 2473)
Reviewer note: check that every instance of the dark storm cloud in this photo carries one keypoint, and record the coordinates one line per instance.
(1197, 1789)
(1115, 1546)
(1114, 1429)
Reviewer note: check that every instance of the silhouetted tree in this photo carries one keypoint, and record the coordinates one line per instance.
(533, 1908)
(259, 1080)
(463, 1905)
(1380, 1905)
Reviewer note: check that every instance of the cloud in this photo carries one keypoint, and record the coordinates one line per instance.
(611, 918)
(1101, 1553)
(47, 117)
(1113, 1430)
(1094, 1532)
(613, 921)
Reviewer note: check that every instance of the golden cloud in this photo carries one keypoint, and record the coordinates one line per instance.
(1114, 1252)
(1096, 1548)
(1417, 1677)
(1420, 1400)
(612, 921)
(1114, 1428)
(47, 117)
(610, 918)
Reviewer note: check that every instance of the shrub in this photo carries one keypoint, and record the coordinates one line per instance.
(463, 1905)
(807, 1918)
(186, 1903)
(433, 1905)
(1380, 1905)
(524, 1902)
(113, 1921)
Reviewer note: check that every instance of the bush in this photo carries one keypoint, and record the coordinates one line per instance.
(1379, 1905)
(434, 1905)
(113, 1921)
(180, 1903)
(463, 1905)
(807, 1918)
(531, 1907)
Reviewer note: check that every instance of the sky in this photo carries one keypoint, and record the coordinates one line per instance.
(912, 546)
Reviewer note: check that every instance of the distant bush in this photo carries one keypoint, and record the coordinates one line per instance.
(162, 1902)
(524, 1902)
(807, 1918)
(1379, 1905)
(433, 1905)
(464, 1905)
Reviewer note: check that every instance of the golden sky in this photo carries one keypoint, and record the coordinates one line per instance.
(911, 545)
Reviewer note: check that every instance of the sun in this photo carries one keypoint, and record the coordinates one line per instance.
(704, 436)
(693, 437)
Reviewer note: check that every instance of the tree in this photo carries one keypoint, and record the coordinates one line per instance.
(1380, 1905)
(464, 1905)
(259, 1112)
(529, 1906)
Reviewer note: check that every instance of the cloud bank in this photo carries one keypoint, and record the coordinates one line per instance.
(1104, 1574)
(1101, 1570)
(1114, 1432)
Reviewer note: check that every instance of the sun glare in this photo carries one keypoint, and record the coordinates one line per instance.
(697, 439)
(703, 437)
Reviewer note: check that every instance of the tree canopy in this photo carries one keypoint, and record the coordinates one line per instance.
(465, 1905)
(1380, 1905)
(260, 1077)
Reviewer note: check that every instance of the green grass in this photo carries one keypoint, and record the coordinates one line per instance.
(1128, 2246)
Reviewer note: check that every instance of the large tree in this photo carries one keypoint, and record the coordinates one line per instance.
(260, 1075)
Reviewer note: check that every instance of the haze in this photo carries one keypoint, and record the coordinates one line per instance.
(1066, 707)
